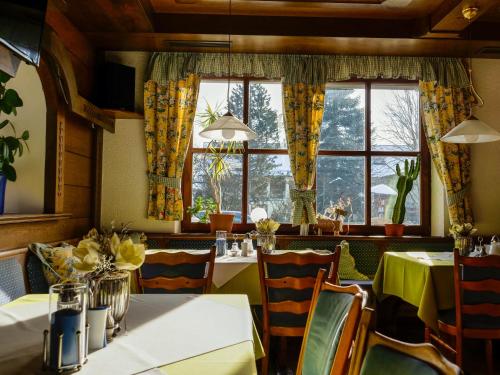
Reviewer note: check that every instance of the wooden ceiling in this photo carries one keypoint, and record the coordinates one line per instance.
(374, 27)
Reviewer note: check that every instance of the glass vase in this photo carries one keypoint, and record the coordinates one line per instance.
(67, 337)
(463, 244)
(267, 241)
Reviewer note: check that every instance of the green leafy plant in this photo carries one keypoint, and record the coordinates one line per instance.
(10, 146)
(404, 186)
(217, 156)
(203, 206)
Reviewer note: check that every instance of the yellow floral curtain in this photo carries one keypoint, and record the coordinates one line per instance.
(304, 104)
(169, 112)
(443, 108)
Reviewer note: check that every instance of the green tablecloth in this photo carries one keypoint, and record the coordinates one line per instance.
(423, 279)
(246, 282)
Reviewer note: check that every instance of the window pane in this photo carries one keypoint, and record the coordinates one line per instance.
(384, 192)
(213, 98)
(266, 115)
(231, 186)
(269, 183)
(343, 125)
(395, 118)
(341, 177)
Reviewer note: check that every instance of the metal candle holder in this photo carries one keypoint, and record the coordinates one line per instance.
(82, 359)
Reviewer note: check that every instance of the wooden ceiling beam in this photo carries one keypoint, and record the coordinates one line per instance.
(292, 44)
(284, 26)
(108, 15)
(447, 20)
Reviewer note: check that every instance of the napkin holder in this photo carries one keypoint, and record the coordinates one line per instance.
(60, 368)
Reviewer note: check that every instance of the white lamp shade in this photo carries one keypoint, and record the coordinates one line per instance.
(257, 214)
(228, 128)
(471, 130)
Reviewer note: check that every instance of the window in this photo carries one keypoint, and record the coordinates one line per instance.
(368, 127)
(260, 174)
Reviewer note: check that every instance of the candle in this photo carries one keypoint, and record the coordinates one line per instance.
(66, 322)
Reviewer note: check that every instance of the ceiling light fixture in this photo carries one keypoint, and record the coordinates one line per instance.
(471, 130)
(227, 127)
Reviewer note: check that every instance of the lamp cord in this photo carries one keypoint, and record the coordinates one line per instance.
(480, 101)
(229, 57)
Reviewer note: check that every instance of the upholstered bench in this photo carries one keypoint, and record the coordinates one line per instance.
(12, 277)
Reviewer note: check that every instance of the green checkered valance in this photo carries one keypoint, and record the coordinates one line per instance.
(170, 66)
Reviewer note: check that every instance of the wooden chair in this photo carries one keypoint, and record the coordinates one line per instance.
(331, 327)
(177, 272)
(477, 306)
(376, 354)
(287, 280)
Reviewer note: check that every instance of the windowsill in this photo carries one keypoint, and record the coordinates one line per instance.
(31, 218)
(209, 236)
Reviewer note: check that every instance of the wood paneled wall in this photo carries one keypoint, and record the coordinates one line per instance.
(72, 151)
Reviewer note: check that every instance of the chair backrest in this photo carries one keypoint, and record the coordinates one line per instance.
(375, 354)
(477, 290)
(287, 280)
(177, 272)
(12, 278)
(331, 326)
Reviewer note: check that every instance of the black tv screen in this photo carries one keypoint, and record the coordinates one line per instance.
(21, 27)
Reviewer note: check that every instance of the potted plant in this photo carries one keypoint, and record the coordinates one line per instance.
(202, 208)
(10, 146)
(218, 168)
(403, 186)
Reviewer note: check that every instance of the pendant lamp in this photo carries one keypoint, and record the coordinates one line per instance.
(228, 127)
(471, 130)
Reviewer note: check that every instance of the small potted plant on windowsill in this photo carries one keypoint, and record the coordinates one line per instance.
(10, 146)
(404, 186)
(202, 209)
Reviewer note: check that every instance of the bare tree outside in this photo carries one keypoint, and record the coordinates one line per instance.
(396, 128)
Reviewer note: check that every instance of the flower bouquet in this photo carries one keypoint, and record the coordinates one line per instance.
(105, 260)
(462, 234)
(266, 229)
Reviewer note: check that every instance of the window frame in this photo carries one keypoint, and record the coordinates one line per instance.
(356, 229)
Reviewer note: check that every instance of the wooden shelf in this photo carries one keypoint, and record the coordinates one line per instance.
(119, 114)
(30, 218)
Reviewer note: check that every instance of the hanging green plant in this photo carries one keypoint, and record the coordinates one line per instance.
(10, 146)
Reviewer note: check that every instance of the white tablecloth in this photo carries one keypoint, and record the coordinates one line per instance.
(226, 267)
(161, 329)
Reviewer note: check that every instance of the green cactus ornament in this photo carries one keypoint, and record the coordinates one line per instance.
(404, 186)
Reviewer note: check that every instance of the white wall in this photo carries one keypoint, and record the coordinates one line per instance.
(486, 157)
(124, 181)
(26, 194)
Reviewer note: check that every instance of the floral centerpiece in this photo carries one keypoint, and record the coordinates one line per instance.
(104, 261)
(462, 234)
(266, 229)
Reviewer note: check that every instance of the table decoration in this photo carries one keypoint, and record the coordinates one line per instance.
(266, 229)
(104, 260)
(65, 343)
(462, 233)
(333, 218)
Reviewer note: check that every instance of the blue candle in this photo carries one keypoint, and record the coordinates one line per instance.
(67, 322)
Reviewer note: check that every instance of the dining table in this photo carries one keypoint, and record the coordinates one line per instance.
(169, 334)
(421, 278)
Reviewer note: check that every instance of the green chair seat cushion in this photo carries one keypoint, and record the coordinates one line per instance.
(381, 360)
(325, 330)
(347, 265)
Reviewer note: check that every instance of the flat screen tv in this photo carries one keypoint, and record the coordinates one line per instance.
(21, 27)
